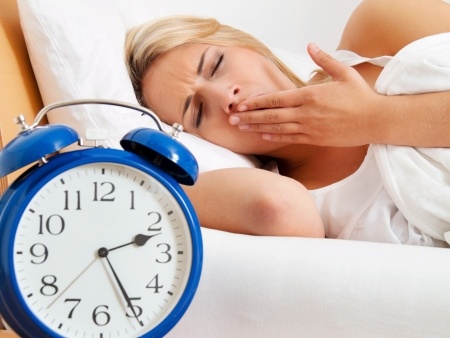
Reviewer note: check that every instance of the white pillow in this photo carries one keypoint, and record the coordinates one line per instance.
(76, 49)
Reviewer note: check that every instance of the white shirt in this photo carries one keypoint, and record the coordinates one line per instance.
(359, 208)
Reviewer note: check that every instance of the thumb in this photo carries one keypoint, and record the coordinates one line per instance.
(325, 61)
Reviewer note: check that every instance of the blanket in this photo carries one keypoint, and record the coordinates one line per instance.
(418, 179)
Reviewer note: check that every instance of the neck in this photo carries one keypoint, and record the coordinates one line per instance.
(316, 167)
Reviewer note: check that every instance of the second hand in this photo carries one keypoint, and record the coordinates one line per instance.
(71, 283)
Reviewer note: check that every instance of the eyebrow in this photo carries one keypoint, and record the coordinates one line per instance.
(188, 101)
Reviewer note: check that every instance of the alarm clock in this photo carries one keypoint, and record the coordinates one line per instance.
(97, 242)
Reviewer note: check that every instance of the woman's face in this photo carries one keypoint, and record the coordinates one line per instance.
(199, 85)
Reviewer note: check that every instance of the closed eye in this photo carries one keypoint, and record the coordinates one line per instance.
(198, 118)
(217, 65)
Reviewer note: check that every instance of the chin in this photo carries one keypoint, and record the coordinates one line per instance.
(248, 149)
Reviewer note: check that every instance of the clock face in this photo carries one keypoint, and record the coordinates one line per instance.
(102, 250)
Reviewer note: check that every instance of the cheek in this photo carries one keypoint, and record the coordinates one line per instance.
(216, 129)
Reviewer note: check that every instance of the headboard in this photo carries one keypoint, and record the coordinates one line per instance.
(19, 93)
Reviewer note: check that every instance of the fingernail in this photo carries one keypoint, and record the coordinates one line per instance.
(234, 120)
(242, 108)
(266, 137)
(244, 126)
(314, 48)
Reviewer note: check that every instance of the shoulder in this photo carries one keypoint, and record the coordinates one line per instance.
(383, 27)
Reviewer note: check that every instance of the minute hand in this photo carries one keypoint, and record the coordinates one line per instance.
(103, 253)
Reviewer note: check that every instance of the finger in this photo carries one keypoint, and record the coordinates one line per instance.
(280, 115)
(333, 67)
(274, 128)
(287, 98)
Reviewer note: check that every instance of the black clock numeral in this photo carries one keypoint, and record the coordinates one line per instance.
(154, 284)
(77, 302)
(165, 253)
(39, 251)
(156, 218)
(101, 317)
(137, 309)
(54, 225)
(66, 200)
(132, 200)
(49, 288)
(107, 188)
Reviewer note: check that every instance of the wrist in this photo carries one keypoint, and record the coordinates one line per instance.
(379, 120)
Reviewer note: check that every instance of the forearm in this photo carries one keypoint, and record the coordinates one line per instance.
(421, 120)
(256, 202)
(384, 27)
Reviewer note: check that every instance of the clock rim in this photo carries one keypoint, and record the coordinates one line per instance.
(20, 193)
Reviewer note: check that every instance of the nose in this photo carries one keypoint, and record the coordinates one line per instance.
(226, 96)
(233, 99)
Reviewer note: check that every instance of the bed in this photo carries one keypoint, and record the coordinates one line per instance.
(250, 286)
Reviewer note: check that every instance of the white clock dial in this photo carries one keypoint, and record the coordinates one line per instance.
(102, 250)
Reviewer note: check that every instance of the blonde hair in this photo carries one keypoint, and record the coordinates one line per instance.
(146, 42)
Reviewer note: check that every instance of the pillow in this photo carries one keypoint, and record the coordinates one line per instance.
(76, 50)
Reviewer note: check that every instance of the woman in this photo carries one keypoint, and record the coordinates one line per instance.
(204, 76)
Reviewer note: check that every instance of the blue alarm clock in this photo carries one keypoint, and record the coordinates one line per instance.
(97, 242)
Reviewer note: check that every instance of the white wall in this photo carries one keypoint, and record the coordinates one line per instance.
(286, 24)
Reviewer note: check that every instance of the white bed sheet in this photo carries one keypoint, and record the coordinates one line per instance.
(303, 287)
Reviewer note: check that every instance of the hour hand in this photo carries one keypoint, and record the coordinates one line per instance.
(139, 240)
